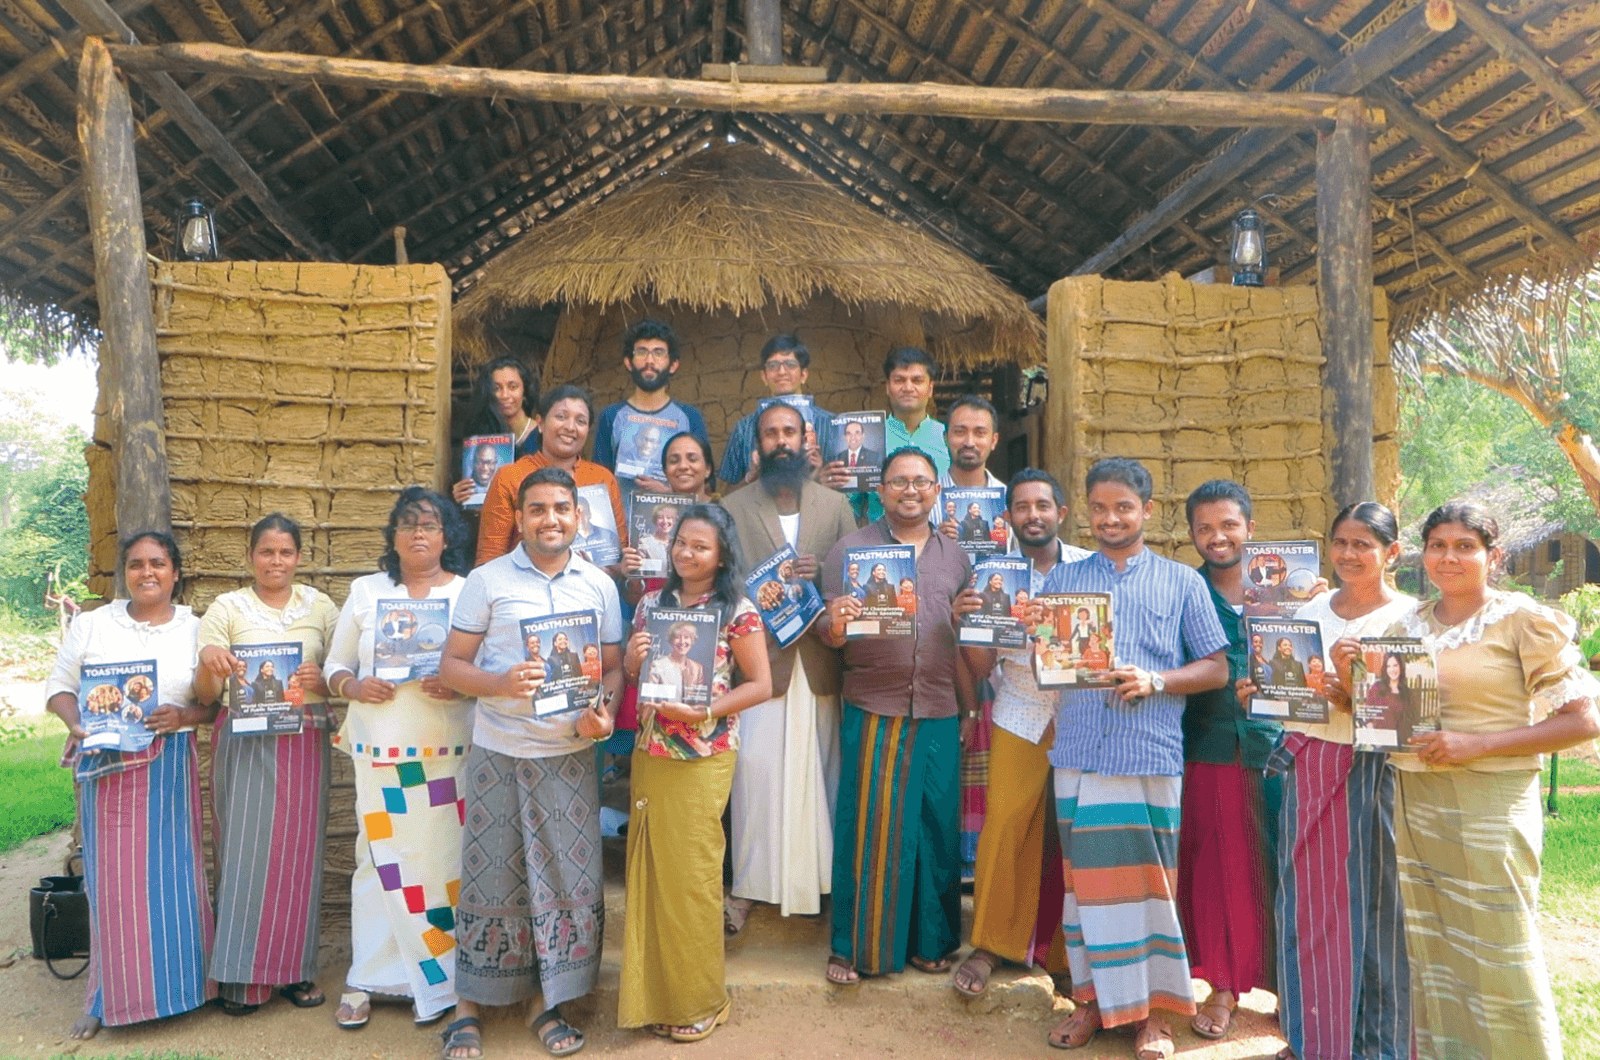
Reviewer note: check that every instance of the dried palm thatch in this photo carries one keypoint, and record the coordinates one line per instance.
(733, 228)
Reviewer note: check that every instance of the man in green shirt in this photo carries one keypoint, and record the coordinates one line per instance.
(908, 374)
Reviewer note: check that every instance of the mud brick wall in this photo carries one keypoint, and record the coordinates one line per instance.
(1203, 381)
(316, 390)
(720, 374)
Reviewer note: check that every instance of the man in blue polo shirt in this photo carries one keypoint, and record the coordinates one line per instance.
(908, 377)
(1118, 759)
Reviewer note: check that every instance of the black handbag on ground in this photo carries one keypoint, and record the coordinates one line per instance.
(58, 914)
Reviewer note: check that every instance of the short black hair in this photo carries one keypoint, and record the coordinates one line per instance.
(905, 357)
(909, 450)
(566, 392)
(548, 476)
(787, 342)
(650, 328)
(1033, 474)
(1121, 470)
(1218, 489)
(972, 401)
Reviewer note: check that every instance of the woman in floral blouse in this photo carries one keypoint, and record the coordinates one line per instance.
(672, 961)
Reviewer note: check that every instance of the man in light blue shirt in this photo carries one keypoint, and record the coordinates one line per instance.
(531, 908)
(1118, 758)
(908, 378)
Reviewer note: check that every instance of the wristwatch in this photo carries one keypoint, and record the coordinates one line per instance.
(1158, 684)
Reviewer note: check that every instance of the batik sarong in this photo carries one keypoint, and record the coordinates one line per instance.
(1119, 856)
(270, 816)
(975, 779)
(896, 850)
(532, 907)
(1469, 846)
(1343, 982)
(149, 911)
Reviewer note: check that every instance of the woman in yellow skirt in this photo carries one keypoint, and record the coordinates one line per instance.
(672, 958)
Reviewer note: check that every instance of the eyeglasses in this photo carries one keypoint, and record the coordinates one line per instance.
(776, 365)
(900, 485)
(642, 353)
(428, 529)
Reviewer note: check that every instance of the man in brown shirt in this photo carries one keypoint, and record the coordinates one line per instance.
(788, 746)
(896, 896)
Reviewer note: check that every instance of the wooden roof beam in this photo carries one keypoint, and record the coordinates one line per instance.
(96, 16)
(1512, 48)
(1354, 72)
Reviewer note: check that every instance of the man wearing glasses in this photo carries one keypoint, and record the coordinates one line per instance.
(785, 363)
(650, 354)
(897, 896)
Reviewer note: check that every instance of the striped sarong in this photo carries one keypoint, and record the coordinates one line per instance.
(270, 816)
(149, 912)
(1227, 875)
(1119, 856)
(896, 858)
(1343, 982)
(975, 780)
(1469, 846)
(532, 908)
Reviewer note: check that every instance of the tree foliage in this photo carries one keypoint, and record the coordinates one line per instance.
(44, 527)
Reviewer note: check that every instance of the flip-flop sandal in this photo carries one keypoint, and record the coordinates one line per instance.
(236, 1008)
(847, 976)
(464, 1033)
(935, 967)
(986, 965)
(1082, 1031)
(554, 1030)
(303, 995)
(698, 1032)
(1154, 1043)
(355, 1009)
(734, 915)
(1220, 1027)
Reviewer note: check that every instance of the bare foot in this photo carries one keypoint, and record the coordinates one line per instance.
(84, 1029)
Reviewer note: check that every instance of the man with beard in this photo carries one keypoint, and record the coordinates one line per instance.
(1225, 871)
(908, 380)
(1118, 758)
(785, 363)
(788, 768)
(879, 592)
(1017, 889)
(650, 354)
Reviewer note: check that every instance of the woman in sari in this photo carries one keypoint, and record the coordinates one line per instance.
(406, 736)
(672, 961)
(1343, 987)
(149, 911)
(269, 791)
(1512, 686)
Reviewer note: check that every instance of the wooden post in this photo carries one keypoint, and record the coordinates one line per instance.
(400, 256)
(1344, 286)
(122, 284)
(763, 31)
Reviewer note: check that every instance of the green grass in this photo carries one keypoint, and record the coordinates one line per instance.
(1578, 1002)
(38, 791)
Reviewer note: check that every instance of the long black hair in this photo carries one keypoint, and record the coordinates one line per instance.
(416, 501)
(481, 416)
(726, 590)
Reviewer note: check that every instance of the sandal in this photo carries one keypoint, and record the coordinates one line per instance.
(355, 1008)
(841, 972)
(428, 1021)
(931, 967)
(302, 995)
(979, 965)
(1154, 1041)
(464, 1033)
(236, 1008)
(734, 913)
(557, 1029)
(1214, 1028)
(696, 1032)
(1078, 1029)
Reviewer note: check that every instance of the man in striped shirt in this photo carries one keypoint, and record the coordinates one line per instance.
(1118, 758)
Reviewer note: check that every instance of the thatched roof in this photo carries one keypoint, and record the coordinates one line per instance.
(733, 228)
(1517, 502)
(1489, 162)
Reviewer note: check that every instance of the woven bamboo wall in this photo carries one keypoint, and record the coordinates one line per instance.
(1203, 381)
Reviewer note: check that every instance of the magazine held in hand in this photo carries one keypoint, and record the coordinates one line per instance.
(1285, 658)
(1396, 693)
(113, 700)
(266, 699)
(1279, 576)
(641, 439)
(856, 441)
(1002, 582)
(569, 646)
(1073, 645)
(979, 515)
(410, 639)
(682, 657)
(481, 456)
(652, 520)
(788, 603)
(596, 540)
(884, 579)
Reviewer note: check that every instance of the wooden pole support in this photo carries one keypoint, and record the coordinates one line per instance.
(763, 32)
(400, 256)
(1344, 286)
(122, 284)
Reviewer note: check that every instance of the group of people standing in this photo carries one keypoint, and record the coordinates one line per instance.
(1124, 839)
